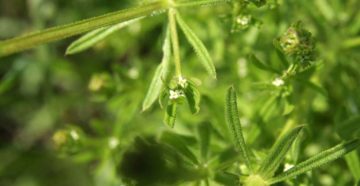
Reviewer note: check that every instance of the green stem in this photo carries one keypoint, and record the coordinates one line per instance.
(351, 43)
(31, 40)
(21, 43)
(200, 2)
(175, 41)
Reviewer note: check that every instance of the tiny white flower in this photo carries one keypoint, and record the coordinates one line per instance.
(113, 142)
(96, 83)
(278, 82)
(175, 94)
(205, 165)
(288, 166)
(244, 169)
(242, 67)
(182, 81)
(243, 20)
(244, 122)
(133, 73)
(74, 135)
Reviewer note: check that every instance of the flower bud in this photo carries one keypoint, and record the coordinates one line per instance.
(67, 141)
(298, 43)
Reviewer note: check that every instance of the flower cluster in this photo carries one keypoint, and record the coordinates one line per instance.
(298, 43)
(177, 92)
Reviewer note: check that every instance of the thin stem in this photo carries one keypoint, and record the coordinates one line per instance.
(175, 41)
(21, 43)
(200, 2)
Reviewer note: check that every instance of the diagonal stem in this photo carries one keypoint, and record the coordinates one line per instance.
(200, 3)
(21, 43)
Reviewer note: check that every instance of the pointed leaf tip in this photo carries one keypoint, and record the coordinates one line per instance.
(161, 75)
(198, 46)
(277, 152)
(92, 38)
(318, 160)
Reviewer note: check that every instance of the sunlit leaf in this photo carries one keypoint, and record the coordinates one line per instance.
(193, 97)
(318, 160)
(93, 37)
(21, 43)
(198, 46)
(278, 152)
(353, 162)
(161, 74)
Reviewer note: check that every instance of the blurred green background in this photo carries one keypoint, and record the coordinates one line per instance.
(77, 120)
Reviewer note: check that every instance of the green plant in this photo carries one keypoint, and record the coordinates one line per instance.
(97, 118)
(264, 174)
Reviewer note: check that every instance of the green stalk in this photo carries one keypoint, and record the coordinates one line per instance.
(200, 3)
(175, 41)
(21, 43)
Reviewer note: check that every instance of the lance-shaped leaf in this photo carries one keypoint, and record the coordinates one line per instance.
(161, 74)
(198, 46)
(349, 128)
(193, 97)
(93, 37)
(179, 145)
(278, 152)
(170, 114)
(233, 121)
(204, 132)
(318, 160)
(260, 65)
(353, 162)
(21, 43)
(164, 98)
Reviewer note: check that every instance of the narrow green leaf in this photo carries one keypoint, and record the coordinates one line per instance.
(193, 97)
(233, 121)
(227, 178)
(353, 162)
(318, 160)
(278, 152)
(21, 43)
(161, 74)
(295, 150)
(200, 3)
(313, 86)
(198, 46)
(349, 128)
(204, 132)
(260, 65)
(170, 115)
(93, 37)
(179, 145)
(164, 98)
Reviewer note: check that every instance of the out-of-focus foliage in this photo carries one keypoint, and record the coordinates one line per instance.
(78, 120)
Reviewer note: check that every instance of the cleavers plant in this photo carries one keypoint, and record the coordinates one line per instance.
(172, 88)
(262, 172)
